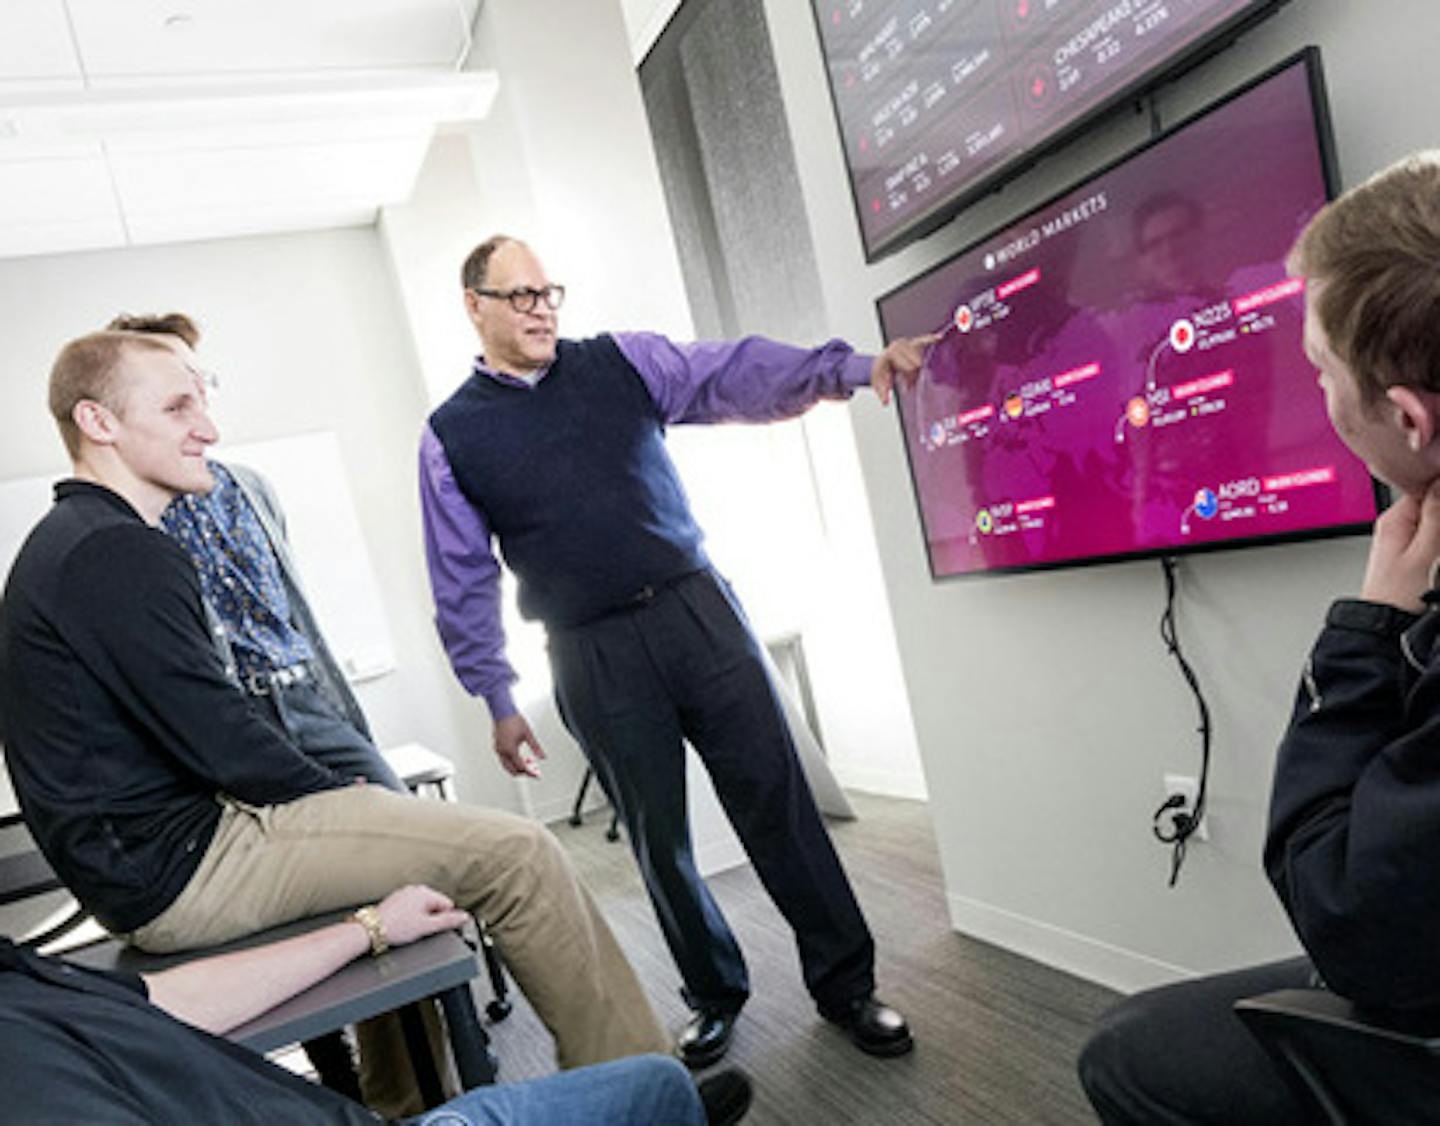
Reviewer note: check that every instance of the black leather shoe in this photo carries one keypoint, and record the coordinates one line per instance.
(726, 1097)
(874, 1026)
(706, 1038)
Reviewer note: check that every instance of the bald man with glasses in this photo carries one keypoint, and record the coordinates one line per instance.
(555, 448)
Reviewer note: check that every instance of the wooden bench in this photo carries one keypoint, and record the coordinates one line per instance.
(439, 967)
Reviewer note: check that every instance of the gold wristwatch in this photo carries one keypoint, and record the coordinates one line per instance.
(369, 918)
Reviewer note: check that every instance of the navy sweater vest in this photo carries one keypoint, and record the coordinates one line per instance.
(574, 480)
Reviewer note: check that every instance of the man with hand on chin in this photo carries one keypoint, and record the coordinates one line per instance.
(1354, 836)
(555, 448)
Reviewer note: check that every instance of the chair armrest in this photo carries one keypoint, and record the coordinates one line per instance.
(1299, 1007)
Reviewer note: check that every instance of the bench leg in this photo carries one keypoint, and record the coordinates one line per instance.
(468, 1040)
(427, 1079)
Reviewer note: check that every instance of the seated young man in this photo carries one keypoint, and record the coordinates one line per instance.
(77, 1045)
(1354, 835)
(176, 814)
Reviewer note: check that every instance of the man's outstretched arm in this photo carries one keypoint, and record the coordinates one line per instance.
(224, 991)
(759, 380)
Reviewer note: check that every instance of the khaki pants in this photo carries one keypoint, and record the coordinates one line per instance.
(271, 864)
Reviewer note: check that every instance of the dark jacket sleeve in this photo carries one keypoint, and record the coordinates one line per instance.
(134, 615)
(1353, 847)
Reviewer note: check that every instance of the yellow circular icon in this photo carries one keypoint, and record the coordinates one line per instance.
(984, 521)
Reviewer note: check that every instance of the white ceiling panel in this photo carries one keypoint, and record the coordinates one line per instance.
(35, 239)
(134, 121)
(383, 101)
(153, 37)
(258, 220)
(35, 41)
(60, 202)
(51, 190)
(219, 180)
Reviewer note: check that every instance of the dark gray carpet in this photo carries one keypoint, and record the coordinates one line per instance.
(996, 1034)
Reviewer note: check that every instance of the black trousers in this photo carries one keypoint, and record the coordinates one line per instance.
(682, 665)
(318, 727)
(1179, 1055)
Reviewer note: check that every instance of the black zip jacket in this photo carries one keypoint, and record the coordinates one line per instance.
(119, 724)
(1354, 841)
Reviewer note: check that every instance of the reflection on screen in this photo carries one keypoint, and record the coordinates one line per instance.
(935, 96)
(1121, 371)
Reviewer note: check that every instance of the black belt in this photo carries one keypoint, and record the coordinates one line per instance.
(642, 597)
(265, 683)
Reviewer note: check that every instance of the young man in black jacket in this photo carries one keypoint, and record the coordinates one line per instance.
(1354, 838)
(175, 813)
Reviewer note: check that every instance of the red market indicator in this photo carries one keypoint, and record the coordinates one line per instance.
(1182, 336)
(1269, 295)
(1015, 285)
(1076, 375)
(964, 318)
(1301, 480)
(1205, 384)
(1038, 504)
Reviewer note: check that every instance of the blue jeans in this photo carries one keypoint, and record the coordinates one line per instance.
(645, 1090)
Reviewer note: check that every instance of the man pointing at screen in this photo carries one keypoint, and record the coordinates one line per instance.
(556, 448)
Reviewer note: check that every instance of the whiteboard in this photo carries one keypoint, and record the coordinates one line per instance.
(323, 528)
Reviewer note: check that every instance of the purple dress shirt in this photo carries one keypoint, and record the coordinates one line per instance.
(749, 380)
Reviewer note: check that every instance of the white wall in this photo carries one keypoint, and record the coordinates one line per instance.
(307, 334)
(1045, 705)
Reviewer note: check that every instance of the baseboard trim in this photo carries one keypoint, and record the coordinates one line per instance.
(1124, 970)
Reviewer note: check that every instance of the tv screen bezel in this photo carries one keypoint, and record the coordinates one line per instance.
(1310, 58)
(927, 222)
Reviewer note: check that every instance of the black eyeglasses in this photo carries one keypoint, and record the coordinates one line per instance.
(525, 298)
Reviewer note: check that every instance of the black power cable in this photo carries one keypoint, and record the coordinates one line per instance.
(1177, 830)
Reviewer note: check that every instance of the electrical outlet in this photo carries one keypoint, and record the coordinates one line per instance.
(1188, 788)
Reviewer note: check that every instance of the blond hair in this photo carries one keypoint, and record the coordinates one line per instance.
(1373, 260)
(86, 369)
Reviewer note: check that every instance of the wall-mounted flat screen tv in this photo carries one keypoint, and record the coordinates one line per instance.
(939, 100)
(1121, 371)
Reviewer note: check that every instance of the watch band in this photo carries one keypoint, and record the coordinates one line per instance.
(369, 918)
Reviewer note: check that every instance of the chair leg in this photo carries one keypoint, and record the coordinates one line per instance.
(474, 1059)
(71, 921)
(334, 1063)
(575, 817)
(499, 1007)
(427, 1079)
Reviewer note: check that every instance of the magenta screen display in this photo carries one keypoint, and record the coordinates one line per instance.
(936, 98)
(1121, 371)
